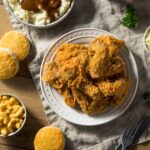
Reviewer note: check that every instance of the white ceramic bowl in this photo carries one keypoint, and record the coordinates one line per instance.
(40, 26)
(25, 111)
(144, 38)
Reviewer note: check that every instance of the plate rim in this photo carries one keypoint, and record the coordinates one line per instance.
(41, 82)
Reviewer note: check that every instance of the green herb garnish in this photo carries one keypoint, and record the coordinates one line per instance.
(129, 19)
(147, 96)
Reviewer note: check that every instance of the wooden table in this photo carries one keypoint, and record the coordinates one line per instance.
(22, 86)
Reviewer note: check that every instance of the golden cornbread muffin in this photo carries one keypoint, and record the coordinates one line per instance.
(9, 64)
(17, 42)
(49, 138)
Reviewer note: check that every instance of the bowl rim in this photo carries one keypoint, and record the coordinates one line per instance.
(144, 38)
(25, 111)
(40, 26)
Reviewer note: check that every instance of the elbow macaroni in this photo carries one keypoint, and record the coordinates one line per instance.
(12, 115)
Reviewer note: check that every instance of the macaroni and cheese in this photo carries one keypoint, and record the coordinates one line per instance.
(12, 115)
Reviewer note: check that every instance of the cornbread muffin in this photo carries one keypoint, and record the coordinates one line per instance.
(9, 64)
(17, 42)
(49, 138)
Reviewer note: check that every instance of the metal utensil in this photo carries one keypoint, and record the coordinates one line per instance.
(127, 138)
(133, 132)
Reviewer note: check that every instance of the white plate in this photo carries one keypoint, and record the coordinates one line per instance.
(56, 101)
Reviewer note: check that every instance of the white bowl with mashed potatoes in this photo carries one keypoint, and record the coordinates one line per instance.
(39, 13)
(13, 115)
(146, 40)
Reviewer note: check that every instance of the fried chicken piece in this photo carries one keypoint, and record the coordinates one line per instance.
(71, 53)
(106, 87)
(121, 87)
(71, 76)
(68, 98)
(98, 105)
(97, 63)
(49, 72)
(115, 66)
(67, 72)
(71, 60)
(115, 89)
(81, 99)
(113, 44)
(90, 90)
(49, 75)
(88, 105)
(101, 51)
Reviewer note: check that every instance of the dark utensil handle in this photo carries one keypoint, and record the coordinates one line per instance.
(119, 147)
(143, 124)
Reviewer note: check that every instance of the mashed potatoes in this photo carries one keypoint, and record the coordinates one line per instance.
(38, 18)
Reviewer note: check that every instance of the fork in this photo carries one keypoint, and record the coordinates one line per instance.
(133, 132)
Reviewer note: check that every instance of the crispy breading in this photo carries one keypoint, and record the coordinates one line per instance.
(68, 97)
(116, 89)
(49, 71)
(121, 88)
(81, 99)
(98, 62)
(113, 44)
(98, 105)
(90, 90)
(88, 105)
(72, 54)
(115, 66)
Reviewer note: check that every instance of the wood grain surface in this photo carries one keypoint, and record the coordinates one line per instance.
(23, 87)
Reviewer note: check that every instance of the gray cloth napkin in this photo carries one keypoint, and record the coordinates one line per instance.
(102, 14)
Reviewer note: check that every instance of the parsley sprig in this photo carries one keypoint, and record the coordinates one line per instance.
(129, 19)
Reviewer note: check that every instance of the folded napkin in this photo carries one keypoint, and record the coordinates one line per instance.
(102, 14)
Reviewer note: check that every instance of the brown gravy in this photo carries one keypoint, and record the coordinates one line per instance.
(50, 6)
